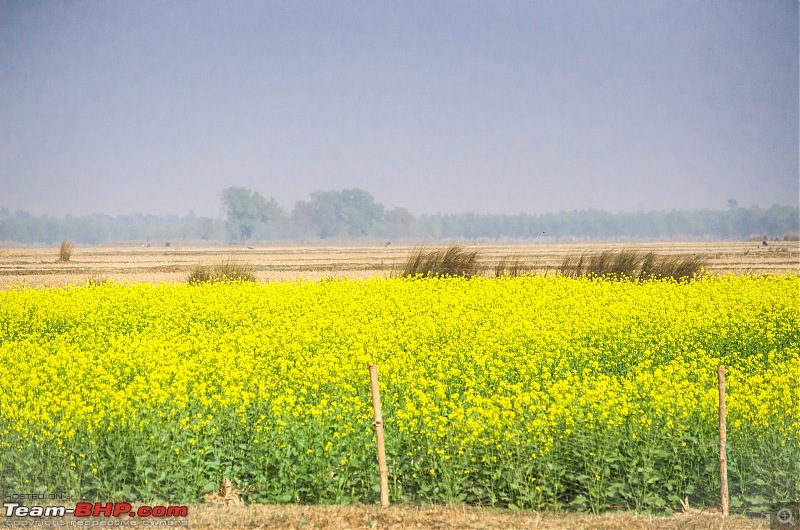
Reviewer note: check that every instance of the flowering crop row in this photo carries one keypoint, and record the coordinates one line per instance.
(527, 392)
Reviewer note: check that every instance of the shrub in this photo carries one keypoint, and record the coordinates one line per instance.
(449, 261)
(65, 251)
(225, 271)
(632, 264)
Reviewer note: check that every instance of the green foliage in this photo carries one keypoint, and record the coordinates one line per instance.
(595, 224)
(531, 392)
(247, 212)
(401, 223)
(346, 213)
(354, 213)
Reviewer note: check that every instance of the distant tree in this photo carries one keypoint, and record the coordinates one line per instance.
(345, 213)
(301, 221)
(355, 213)
(246, 212)
(401, 223)
(205, 228)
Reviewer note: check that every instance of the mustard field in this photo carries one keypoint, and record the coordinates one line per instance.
(530, 392)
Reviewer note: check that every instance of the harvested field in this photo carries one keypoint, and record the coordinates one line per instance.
(41, 266)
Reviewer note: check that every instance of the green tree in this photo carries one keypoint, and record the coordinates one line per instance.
(401, 223)
(345, 213)
(247, 213)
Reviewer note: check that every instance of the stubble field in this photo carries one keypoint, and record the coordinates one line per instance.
(34, 267)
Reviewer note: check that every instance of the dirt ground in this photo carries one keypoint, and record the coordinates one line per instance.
(38, 267)
(447, 517)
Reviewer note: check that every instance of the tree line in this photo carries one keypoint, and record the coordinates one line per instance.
(353, 214)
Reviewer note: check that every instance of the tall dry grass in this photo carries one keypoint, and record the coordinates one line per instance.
(65, 251)
(632, 264)
(227, 270)
(449, 261)
(512, 266)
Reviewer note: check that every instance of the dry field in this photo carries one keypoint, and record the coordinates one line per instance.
(443, 517)
(40, 266)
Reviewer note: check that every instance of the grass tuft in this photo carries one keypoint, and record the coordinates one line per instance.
(97, 281)
(449, 261)
(511, 266)
(632, 265)
(225, 271)
(65, 251)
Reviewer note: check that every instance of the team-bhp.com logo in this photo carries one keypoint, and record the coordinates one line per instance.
(96, 509)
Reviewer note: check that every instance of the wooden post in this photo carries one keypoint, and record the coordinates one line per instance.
(378, 423)
(723, 453)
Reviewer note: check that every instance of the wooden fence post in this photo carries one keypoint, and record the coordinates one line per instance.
(376, 407)
(723, 453)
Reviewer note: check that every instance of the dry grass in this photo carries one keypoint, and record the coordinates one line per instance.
(227, 270)
(65, 251)
(453, 260)
(512, 266)
(632, 264)
(445, 517)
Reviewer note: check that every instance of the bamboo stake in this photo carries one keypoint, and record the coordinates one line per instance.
(723, 453)
(378, 423)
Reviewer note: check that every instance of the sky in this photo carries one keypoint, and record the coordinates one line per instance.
(484, 106)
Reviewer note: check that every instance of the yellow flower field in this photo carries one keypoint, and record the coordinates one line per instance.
(529, 392)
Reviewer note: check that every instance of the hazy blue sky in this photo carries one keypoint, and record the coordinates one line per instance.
(538, 106)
